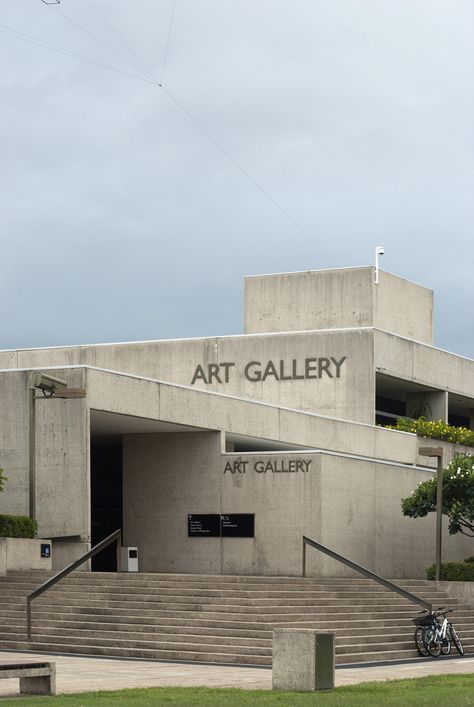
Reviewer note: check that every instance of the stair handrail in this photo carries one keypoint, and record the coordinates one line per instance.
(116, 536)
(362, 570)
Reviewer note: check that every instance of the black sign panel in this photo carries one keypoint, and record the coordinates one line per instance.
(238, 525)
(204, 525)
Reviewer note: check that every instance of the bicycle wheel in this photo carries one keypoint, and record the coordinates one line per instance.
(456, 640)
(419, 642)
(432, 642)
(446, 645)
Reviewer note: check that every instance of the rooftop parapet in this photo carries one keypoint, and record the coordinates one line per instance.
(338, 299)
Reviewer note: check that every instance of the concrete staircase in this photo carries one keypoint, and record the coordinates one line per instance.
(213, 618)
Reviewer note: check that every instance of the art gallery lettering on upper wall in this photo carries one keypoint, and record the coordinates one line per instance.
(261, 371)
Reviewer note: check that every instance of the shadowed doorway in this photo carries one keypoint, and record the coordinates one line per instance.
(106, 501)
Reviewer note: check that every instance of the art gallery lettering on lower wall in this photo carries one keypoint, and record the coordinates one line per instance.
(271, 466)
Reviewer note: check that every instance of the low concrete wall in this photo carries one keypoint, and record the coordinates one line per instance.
(23, 554)
(65, 552)
(460, 590)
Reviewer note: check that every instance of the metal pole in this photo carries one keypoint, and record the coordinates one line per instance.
(439, 515)
(28, 619)
(304, 558)
(32, 450)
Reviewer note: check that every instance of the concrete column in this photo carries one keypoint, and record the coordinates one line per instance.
(433, 405)
(303, 659)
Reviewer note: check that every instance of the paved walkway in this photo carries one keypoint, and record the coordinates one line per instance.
(83, 674)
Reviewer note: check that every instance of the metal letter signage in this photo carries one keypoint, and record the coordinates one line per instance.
(261, 371)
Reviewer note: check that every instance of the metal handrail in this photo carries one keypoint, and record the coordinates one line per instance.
(362, 570)
(113, 537)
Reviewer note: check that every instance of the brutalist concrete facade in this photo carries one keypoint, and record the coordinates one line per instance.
(277, 423)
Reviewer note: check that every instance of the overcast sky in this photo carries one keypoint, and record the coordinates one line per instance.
(345, 124)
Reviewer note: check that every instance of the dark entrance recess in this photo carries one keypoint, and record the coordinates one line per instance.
(106, 501)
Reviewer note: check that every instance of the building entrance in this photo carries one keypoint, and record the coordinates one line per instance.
(106, 501)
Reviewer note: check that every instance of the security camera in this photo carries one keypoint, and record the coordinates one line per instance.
(48, 384)
(379, 250)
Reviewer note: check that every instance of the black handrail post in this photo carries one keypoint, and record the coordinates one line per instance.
(118, 548)
(28, 618)
(304, 557)
(113, 537)
(366, 572)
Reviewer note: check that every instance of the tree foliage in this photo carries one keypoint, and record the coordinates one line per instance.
(458, 496)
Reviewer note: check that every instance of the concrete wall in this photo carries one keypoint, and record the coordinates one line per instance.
(14, 442)
(304, 301)
(326, 372)
(22, 554)
(329, 299)
(351, 505)
(403, 307)
(461, 590)
(165, 477)
(62, 456)
(426, 365)
(185, 406)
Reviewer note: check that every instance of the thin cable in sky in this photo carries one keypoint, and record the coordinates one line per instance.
(96, 39)
(242, 170)
(23, 36)
(36, 41)
(165, 57)
(121, 39)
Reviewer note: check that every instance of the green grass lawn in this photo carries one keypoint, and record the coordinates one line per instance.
(436, 691)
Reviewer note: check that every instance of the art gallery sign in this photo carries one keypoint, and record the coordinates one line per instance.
(261, 371)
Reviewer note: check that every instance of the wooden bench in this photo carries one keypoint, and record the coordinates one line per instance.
(36, 677)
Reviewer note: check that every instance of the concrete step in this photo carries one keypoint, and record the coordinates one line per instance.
(172, 655)
(214, 618)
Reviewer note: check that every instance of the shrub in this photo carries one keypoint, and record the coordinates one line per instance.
(453, 571)
(17, 527)
(469, 559)
(3, 478)
(435, 430)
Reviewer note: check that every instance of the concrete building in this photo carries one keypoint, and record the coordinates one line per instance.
(271, 434)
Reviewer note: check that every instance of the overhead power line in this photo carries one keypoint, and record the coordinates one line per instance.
(37, 41)
(121, 39)
(96, 39)
(165, 56)
(242, 169)
(23, 36)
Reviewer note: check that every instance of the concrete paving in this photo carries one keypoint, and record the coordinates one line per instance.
(84, 674)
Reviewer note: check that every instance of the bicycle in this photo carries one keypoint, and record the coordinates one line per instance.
(438, 638)
(433, 637)
(423, 624)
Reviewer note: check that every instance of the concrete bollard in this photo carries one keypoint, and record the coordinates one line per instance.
(303, 659)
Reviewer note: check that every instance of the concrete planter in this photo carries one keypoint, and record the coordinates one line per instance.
(460, 590)
(23, 554)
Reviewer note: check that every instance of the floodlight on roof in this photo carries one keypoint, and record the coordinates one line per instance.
(51, 2)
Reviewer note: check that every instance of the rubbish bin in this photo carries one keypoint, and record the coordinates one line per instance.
(128, 559)
(303, 659)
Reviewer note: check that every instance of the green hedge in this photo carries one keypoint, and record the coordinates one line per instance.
(435, 430)
(453, 571)
(17, 527)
